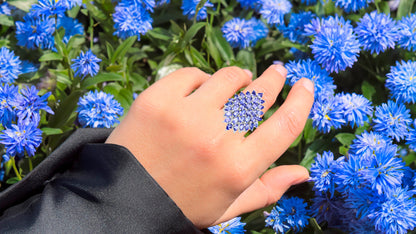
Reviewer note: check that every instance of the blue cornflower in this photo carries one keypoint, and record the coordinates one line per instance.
(189, 9)
(21, 138)
(298, 54)
(35, 32)
(376, 32)
(411, 137)
(131, 20)
(357, 108)
(335, 46)
(385, 171)
(326, 208)
(28, 67)
(327, 113)
(10, 66)
(49, 7)
(149, 5)
(368, 142)
(274, 10)
(98, 110)
(244, 33)
(295, 30)
(392, 119)
(86, 63)
(238, 32)
(314, 27)
(243, 111)
(29, 105)
(362, 200)
(162, 2)
(8, 95)
(396, 214)
(309, 2)
(289, 213)
(5, 9)
(324, 84)
(234, 226)
(347, 174)
(253, 4)
(72, 27)
(352, 5)
(322, 172)
(401, 81)
(407, 33)
(69, 4)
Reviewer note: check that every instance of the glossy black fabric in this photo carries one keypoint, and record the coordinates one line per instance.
(89, 187)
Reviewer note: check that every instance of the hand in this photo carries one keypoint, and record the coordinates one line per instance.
(176, 130)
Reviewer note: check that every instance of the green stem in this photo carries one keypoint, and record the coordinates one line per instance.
(15, 169)
(91, 31)
(30, 164)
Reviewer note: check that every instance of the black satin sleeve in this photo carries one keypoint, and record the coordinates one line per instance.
(86, 186)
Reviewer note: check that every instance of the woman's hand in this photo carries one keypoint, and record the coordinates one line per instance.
(176, 130)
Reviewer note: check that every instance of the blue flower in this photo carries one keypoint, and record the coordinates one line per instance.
(289, 213)
(253, 4)
(162, 2)
(28, 67)
(10, 66)
(407, 34)
(385, 171)
(21, 138)
(274, 10)
(376, 32)
(29, 105)
(335, 46)
(98, 110)
(392, 119)
(189, 9)
(8, 95)
(357, 108)
(326, 208)
(243, 111)
(327, 113)
(410, 138)
(324, 84)
(322, 172)
(309, 2)
(234, 226)
(147, 4)
(401, 81)
(362, 200)
(243, 33)
(36, 32)
(295, 30)
(69, 4)
(49, 7)
(396, 214)
(347, 175)
(352, 5)
(131, 20)
(368, 142)
(314, 27)
(72, 27)
(5, 9)
(86, 63)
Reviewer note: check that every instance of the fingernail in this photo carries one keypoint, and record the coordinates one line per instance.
(308, 84)
(282, 70)
(248, 72)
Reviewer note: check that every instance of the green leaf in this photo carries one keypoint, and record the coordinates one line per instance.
(6, 20)
(23, 5)
(296, 142)
(311, 152)
(95, 11)
(405, 8)
(122, 49)
(316, 228)
(191, 34)
(343, 150)
(65, 109)
(50, 57)
(222, 45)
(160, 33)
(345, 138)
(309, 132)
(99, 78)
(12, 180)
(368, 90)
(248, 59)
(51, 131)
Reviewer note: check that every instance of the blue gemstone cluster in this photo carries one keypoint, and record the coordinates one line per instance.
(244, 111)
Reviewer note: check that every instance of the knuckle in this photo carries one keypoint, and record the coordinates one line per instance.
(269, 93)
(206, 147)
(234, 74)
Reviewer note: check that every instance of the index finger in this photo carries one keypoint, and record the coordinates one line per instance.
(272, 138)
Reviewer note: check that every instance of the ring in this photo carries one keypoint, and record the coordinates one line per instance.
(244, 111)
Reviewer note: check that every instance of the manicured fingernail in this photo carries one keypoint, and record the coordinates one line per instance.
(282, 70)
(248, 72)
(308, 84)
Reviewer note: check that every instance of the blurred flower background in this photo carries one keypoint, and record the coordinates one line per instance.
(69, 64)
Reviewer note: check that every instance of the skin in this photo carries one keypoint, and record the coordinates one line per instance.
(176, 130)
